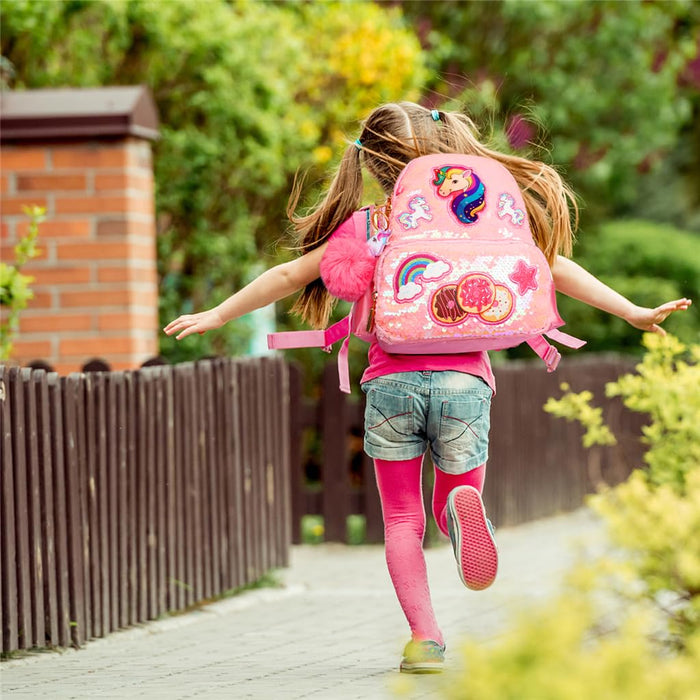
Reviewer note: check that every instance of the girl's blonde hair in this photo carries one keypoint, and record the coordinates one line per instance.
(394, 134)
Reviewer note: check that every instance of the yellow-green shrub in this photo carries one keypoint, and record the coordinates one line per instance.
(553, 655)
(658, 530)
(15, 289)
(654, 517)
(627, 625)
(667, 388)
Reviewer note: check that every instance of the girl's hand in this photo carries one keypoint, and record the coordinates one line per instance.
(649, 319)
(194, 323)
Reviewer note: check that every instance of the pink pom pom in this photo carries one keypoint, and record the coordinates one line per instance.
(347, 267)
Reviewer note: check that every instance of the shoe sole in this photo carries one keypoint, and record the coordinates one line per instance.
(476, 549)
(422, 667)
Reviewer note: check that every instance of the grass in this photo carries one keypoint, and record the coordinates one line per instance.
(268, 580)
(312, 529)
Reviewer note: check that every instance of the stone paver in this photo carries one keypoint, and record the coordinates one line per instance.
(334, 631)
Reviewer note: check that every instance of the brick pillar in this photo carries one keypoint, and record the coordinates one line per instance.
(95, 282)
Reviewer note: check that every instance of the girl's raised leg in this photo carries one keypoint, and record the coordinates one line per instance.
(444, 483)
(459, 513)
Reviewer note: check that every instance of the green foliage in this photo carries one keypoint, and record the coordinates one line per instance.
(634, 248)
(552, 655)
(655, 516)
(565, 65)
(312, 529)
(577, 407)
(15, 291)
(627, 625)
(647, 262)
(666, 387)
(657, 528)
(248, 93)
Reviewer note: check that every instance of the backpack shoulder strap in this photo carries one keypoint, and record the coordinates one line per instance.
(285, 340)
(549, 354)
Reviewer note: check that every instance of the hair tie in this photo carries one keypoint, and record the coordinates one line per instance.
(358, 144)
(435, 115)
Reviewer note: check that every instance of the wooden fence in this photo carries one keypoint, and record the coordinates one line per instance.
(537, 464)
(125, 495)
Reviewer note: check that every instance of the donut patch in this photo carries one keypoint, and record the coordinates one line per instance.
(444, 307)
(502, 307)
(475, 295)
(476, 292)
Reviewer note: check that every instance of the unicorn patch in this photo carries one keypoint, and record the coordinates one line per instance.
(465, 189)
(419, 210)
(505, 208)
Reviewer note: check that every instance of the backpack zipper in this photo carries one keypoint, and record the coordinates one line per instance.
(370, 316)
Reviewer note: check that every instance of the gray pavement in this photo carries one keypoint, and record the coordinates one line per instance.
(333, 631)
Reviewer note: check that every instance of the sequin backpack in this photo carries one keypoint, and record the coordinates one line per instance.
(457, 269)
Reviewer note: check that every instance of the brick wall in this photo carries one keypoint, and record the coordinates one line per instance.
(95, 288)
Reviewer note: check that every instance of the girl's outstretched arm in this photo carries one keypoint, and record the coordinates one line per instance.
(273, 284)
(571, 279)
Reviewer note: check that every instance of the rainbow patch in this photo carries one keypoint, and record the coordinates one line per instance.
(415, 269)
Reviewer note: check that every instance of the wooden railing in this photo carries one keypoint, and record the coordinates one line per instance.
(537, 465)
(125, 495)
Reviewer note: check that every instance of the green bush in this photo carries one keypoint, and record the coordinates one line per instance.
(313, 528)
(646, 249)
(552, 655)
(655, 516)
(666, 386)
(628, 625)
(248, 93)
(657, 529)
(15, 290)
(650, 264)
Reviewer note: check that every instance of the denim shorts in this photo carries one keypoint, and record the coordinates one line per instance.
(450, 412)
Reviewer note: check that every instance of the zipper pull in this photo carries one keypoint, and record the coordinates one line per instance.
(370, 316)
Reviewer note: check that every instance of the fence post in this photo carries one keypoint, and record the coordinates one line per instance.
(236, 479)
(48, 543)
(283, 462)
(335, 462)
(37, 567)
(72, 392)
(296, 427)
(21, 507)
(9, 622)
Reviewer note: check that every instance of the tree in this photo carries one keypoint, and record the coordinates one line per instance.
(248, 94)
(602, 77)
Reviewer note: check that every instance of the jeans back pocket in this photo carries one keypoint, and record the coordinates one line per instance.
(463, 432)
(388, 416)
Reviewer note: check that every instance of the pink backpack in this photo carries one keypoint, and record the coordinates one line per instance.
(457, 269)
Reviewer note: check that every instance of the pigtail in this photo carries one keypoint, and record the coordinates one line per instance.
(344, 196)
(551, 207)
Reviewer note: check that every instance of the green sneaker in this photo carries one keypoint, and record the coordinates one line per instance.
(424, 656)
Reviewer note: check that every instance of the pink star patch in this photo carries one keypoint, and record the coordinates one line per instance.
(524, 276)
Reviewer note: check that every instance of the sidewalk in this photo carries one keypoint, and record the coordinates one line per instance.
(333, 632)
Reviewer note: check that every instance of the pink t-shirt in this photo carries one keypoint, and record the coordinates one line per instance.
(382, 363)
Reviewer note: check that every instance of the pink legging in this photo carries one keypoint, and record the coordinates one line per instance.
(401, 495)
